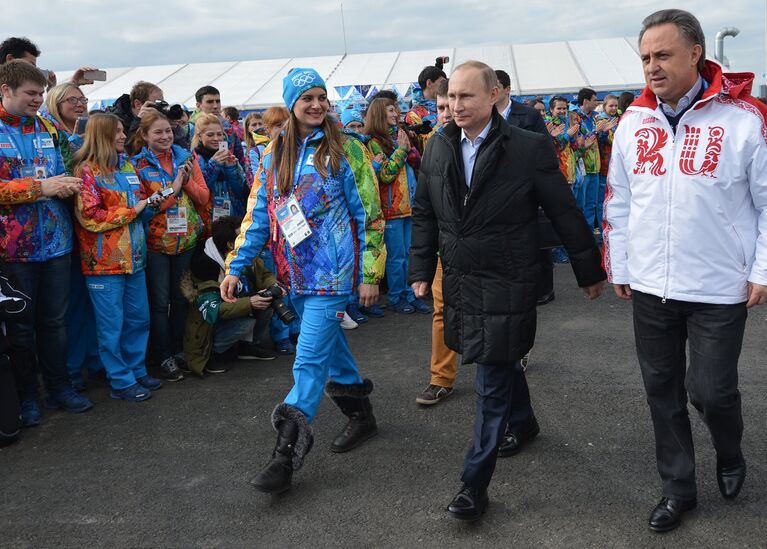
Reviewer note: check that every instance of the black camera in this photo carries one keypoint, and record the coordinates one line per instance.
(282, 311)
(173, 112)
(420, 129)
(440, 62)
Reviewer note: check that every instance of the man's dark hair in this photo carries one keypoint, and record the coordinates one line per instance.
(584, 94)
(385, 94)
(556, 99)
(224, 231)
(231, 113)
(205, 90)
(503, 78)
(16, 48)
(430, 73)
(442, 89)
(688, 25)
(624, 100)
(17, 72)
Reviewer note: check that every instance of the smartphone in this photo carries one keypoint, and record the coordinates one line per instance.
(46, 73)
(101, 76)
(80, 125)
(223, 145)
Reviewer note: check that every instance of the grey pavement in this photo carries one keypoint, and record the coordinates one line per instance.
(174, 471)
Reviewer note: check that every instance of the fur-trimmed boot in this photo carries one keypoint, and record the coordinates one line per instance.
(294, 440)
(353, 401)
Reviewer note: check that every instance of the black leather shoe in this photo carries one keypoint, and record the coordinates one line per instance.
(667, 515)
(546, 298)
(513, 443)
(468, 504)
(731, 477)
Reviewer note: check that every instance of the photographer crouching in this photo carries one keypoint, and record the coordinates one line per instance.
(218, 332)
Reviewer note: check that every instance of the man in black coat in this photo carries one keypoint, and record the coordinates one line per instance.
(480, 186)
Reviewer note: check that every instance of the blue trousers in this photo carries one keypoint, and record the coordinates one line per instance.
(83, 346)
(47, 285)
(322, 351)
(586, 196)
(601, 200)
(122, 323)
(164, 273)
(397, 236)
(502, 398)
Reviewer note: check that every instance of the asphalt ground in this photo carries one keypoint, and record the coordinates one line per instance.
(174, 471)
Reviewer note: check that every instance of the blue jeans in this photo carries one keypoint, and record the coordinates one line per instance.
(83, 348)
(322, 351)
(122, 322)
(601, 200)
(397, 238)
(163, 276)
(47, 285)
(249, 329)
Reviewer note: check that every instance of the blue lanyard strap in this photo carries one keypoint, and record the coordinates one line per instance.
(153, 158)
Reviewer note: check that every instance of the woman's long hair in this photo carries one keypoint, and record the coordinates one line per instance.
(377, 125)
(98, 150)
(249, 141)
(138, 141)
(55, 97)
(285, 153)
(203, 121)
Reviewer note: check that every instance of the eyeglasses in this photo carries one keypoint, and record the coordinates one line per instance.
(75, 100)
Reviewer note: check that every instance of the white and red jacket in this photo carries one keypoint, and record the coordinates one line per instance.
(685, 215)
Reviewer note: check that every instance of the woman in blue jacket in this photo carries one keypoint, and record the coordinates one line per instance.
(223, 175)
(316, 204)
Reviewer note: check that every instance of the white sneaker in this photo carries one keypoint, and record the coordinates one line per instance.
(347, 323)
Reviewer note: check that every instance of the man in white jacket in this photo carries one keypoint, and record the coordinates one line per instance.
(685, 237)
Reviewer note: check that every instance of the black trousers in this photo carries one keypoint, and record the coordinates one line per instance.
(499, 388)
(715, 335)
(546, 275)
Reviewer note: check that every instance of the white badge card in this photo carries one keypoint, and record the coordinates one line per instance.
(132, 180)
(293, 222)
(221, 207)
(176, 220)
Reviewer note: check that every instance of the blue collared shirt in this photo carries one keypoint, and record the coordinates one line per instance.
(685, 101)
(469, 151)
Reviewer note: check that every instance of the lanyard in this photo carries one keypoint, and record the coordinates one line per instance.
(22, 152)
(153, 158)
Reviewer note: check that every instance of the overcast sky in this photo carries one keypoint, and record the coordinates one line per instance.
(106, 33)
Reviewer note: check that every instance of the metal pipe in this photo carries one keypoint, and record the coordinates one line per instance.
(720, 36)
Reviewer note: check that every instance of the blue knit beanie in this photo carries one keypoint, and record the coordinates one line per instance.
(351, 115)
(297, 82)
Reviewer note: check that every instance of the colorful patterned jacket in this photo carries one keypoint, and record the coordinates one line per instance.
(255, 154)
(32, 227)
(110, 233)
(69, 143)
(590, 154)
(346, 246)
(564, 144)
(396, 179)
(193, 195)
(227, 186)
(606, 143)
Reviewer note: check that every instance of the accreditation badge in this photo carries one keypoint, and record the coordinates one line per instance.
(176, 220)
(292, 222)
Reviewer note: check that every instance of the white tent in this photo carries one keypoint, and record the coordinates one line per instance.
(608, 64)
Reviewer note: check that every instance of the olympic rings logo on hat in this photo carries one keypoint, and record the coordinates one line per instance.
(302, 79)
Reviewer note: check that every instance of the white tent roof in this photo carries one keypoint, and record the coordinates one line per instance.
(608, 64)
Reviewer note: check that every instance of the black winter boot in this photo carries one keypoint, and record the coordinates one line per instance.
(354, 403)
(294, 440)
